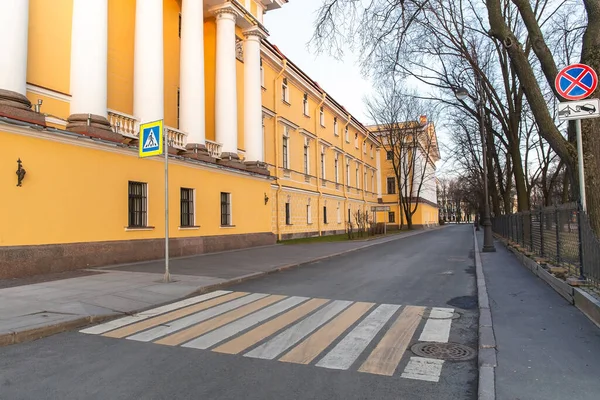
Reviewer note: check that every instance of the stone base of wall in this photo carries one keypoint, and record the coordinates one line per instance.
(22, 261)
(301, 235)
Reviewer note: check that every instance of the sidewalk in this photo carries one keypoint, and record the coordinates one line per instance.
(546, 348)
(31, 311)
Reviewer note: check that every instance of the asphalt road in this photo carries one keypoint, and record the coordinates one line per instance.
(341, 347)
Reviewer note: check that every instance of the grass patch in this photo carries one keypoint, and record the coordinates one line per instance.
(317, 239)
(337, 238)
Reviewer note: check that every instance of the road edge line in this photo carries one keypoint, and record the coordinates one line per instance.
(486, 353)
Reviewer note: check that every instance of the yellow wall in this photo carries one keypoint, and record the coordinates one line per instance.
(73, 193)
(171, 9)
(210, 52)
(240, 102)
(121, 42)
(49, 44)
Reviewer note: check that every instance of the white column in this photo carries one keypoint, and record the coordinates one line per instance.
(14, 20)
(253, 137)
(89, 57)
(148, 70)
(378, 177)
(191, 111)
(225, 83)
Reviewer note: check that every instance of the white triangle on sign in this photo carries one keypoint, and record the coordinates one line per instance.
(151, 140)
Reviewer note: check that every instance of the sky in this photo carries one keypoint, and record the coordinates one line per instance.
(291, 28)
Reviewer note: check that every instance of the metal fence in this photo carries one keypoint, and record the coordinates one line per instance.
(560, 234)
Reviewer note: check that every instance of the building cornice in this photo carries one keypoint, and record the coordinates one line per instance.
(75, 139)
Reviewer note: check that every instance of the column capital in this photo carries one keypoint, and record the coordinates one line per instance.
(226, 11)
(255, 32)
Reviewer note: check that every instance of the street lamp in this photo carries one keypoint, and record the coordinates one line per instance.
(488, 240)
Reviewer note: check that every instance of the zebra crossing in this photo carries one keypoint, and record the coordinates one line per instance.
(331, 334)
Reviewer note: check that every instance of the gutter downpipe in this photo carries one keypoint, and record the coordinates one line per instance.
(318, 155)
(276, 140)
(363, 147)
(345, 180)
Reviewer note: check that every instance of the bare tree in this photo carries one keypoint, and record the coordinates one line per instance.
(434, 42)
(407, 134)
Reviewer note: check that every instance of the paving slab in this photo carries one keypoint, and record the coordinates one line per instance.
(546, 348)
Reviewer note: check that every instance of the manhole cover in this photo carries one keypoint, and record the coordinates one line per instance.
(444, 351)
(454, 315)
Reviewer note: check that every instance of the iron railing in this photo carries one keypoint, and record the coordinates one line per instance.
(561, 234)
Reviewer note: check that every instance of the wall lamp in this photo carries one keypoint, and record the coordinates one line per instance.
(20, 172)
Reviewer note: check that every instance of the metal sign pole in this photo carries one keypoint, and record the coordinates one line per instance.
(167, 277)
(580, 162)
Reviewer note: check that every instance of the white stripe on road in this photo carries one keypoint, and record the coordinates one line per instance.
(423, 369)
(118, 323)
(347, 351)
(176, 325)
(232, 329)
(437, 327)
(293, 335)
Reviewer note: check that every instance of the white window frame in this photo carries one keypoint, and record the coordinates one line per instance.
(356, 140)
(372, 181)
(307, 159)
(357, 177)
(285, 161)
(285, 89)
(322, 116)
(308, 214)
(348, 172)
(323, 164)
(305, 104)
(339, 213)
(335, 127)
(336, 167)
(347, 135)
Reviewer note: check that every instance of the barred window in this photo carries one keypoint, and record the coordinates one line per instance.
(391, 185)
(138, 204)
(288, 216)
(187, 207)
(225, 209)
(391, 217)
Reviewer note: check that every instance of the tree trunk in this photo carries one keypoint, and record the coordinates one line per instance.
(590, 55)
(524, 71)
(519, 174)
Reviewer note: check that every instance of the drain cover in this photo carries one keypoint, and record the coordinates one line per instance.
(454, 315)
(444, 351)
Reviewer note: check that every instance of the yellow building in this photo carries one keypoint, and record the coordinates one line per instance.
(258, 151)
(410, 151)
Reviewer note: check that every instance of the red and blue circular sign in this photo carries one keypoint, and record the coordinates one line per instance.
(576, 81)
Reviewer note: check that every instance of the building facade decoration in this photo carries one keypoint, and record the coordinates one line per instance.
(234, 181)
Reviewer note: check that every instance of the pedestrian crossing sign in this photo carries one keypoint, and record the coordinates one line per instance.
(151, 138)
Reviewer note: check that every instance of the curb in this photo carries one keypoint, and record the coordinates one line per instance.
(37, 333)
(28, 335)
(487, 341)
(585, 302)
